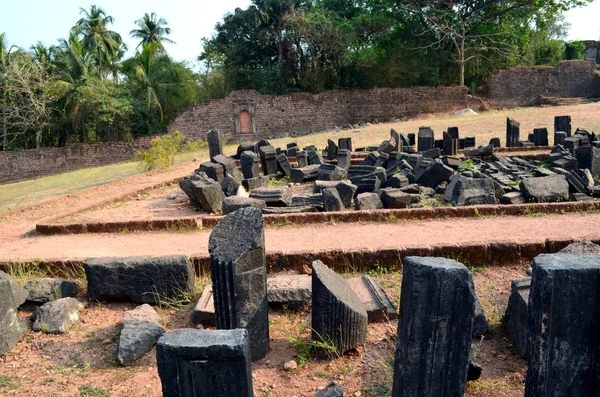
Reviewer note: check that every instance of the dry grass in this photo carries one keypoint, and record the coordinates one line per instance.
(483, 126)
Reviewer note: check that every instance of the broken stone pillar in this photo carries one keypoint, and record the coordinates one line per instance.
(314, 157)
(215, 147)
(203, 192)
(426, 139)
(513, 132)
(588, 157)
(344, 158)
(540, 136)
(214, 171)
(302, 159)
(284, 164)
(345, 143)
(395, 140)
(250, 163)
(332, 200)
(434, 328)
(332, 150)
(559, 137)
(204, 311)
(516, 317)
(450, 145)
(273, 197)
(199, 363)
(562, 123)
(377, 303)
(338, 315)
(12, 327)
(268, 159)
(564, 313)
(238, 271)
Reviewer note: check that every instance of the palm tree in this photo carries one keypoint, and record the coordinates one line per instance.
(104, 44)
(5, 55)
(152, 29)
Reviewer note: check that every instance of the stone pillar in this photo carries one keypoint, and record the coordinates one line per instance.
(562, 123)
(513, 132)
(450, 145)
(338, 315)
(284, 164)
(564, 313)
(345, 143)
(426, 139)
(238, 271)
(540, 136)
(434, 328)
(332, 150)
(250, 163)
(344, 158)
(302, 159)
(453, 132)
(395, 141)
(215, 147)
(199, 363)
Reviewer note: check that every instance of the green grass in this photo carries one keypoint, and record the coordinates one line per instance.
(86, 390)
(26, 193)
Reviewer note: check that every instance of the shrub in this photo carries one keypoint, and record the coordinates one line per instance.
(162, 151)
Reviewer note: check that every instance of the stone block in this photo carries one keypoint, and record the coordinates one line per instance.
(377, 303)
(545, 189)
(274, 197)
(204, 311)
(12, 327)
(516, 317)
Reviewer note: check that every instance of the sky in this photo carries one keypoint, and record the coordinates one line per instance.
(26, 22)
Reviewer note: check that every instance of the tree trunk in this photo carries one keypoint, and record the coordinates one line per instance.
(461, 61)
(280, 60)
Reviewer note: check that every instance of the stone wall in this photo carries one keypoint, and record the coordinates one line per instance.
(33, 163)
(522, 86)
(277, 116)
(592, 50)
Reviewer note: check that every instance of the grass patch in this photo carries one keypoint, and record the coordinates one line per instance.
(90, 391)
(23, 272)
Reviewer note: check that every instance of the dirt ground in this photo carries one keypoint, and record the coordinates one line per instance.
(82, 362)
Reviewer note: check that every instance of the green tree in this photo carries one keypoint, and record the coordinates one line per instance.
(152, 29)
(574, 50)
(105, 45)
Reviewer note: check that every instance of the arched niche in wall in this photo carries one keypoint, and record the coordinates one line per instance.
(243, 115)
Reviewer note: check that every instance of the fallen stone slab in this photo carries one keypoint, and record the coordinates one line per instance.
(273, 197)
(19, 293)
(377, 303)
(462, 191)
(368, 201)
(58, 316)
(434, 174)
(338, 315)
(345, 189)
(311, 200)
(139, 279)
(395, 198)
(480, 321)
(516, 317)
(43, 290)
(332, 200)
(141, 330)
(256, 183)
(12, 327)
(545, 189)
(289, 210)
(305, 174)
(204, 311)
(583, 247)
(290, 290)
(203, 192)
(232, 204)
(513, 198)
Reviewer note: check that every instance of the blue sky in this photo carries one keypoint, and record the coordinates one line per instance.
(27, 21)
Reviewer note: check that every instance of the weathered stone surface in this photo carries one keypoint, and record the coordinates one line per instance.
(513, 133)
(345, 189)
(274, 197)
(238, 272)
(305, 174)
(545, 189)
(204, 311)
(284, 164)
(302, 159)
(330, 172)
(562, 123)
(19, 293)
(333, 390)
(256, 183)
(540, 136)
(314, 157)
(482, 151)
(377, 303)
(582, 247)
(268, 159)
(212, 170)
(141, 330)
(58, 316)
(215, 147)
(194, 363)
(230, 186)
(480, 321)
(589, 157)
(332, 200)
(12, 327)
(344, 158)
(139, 279)
(564, 337)
(434, 174)
(516, 317)
(395, 198)
(338, 315)
(345, 143)
(368, 201)
(44, 290)
(332, 150)
(397, 181)
(426, 139)
(232, 204)
(312, 200)
(289, 210)
(513, 198)
(463, 191)
(229, 165)
(434, 328)
(250, 163)
(292, 290)
(450, 145)
(203, 192)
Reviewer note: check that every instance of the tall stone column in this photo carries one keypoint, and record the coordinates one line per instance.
(564, 315)
(435, 326)
(238, 271)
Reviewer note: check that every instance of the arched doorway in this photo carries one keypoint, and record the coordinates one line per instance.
(245, 122)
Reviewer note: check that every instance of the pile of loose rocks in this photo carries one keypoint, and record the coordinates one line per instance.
(395, 175)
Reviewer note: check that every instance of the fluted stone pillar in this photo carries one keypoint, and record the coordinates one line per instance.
(238, 271)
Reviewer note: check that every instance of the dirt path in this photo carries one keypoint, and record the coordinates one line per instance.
(346, 236)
